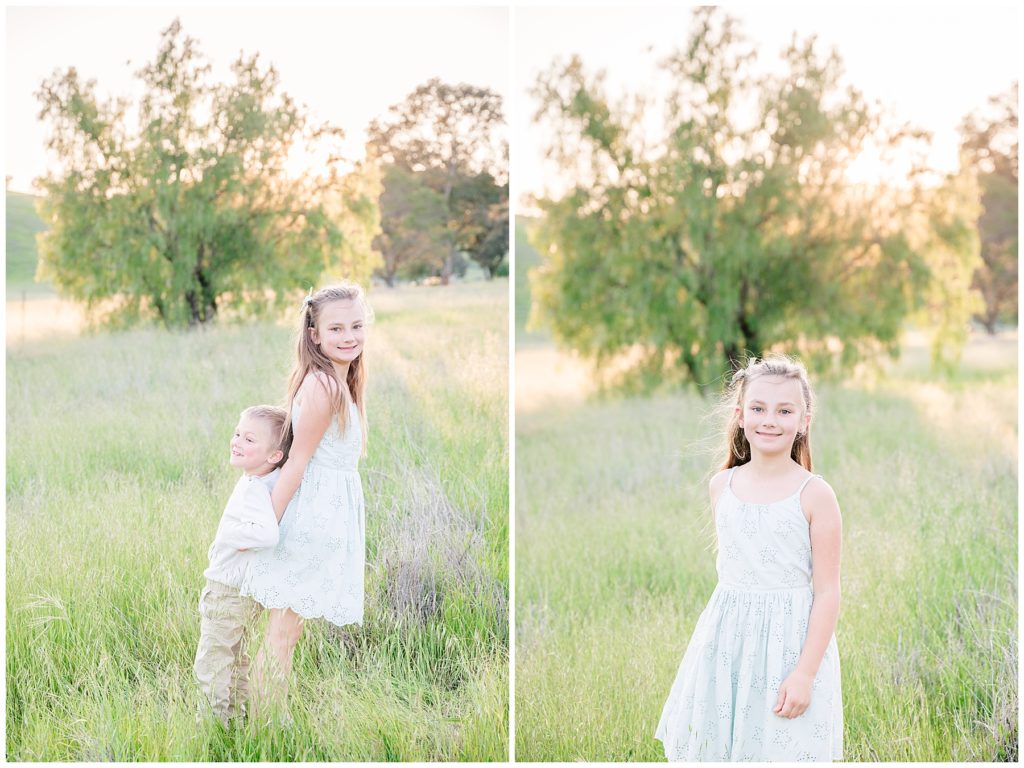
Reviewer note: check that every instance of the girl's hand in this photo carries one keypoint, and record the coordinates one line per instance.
(794, 695)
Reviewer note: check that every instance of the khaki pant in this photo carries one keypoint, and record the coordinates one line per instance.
(222, 658)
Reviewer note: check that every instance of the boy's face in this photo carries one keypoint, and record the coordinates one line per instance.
(253, 448)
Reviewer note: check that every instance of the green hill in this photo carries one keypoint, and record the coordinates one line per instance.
(22, 225)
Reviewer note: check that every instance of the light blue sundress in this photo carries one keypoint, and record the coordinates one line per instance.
(317, 567)
(747, 640)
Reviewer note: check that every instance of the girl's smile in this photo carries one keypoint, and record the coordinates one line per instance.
(772, 414)
(341, 330)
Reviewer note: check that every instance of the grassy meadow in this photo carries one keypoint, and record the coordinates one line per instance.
(116, 476)
(615, 557)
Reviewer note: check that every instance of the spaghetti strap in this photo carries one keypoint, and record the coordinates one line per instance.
(803, 485)
(728, 480)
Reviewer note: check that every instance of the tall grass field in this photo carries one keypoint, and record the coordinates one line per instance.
(117, 472)
(615, 556)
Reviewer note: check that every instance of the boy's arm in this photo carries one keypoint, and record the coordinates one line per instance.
(253, 525)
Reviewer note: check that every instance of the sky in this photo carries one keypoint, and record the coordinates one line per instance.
(927, 65)
(930, 66)
(347, 64)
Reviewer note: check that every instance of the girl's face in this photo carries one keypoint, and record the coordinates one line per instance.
(341, 330)
(772, 414)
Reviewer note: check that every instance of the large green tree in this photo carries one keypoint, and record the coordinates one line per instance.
(481, 218)
(452, 136)
(737, 229)
(990, 146)
(191, 209)
(414, 239)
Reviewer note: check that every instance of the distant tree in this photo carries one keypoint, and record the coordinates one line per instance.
(191, 211)
(451, 134)
(945, 232)
(481, 220)
(354, 203)
(727, 234)
(990, 146)
(414, 239)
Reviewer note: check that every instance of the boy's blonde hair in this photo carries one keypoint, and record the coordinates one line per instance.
(280, 427)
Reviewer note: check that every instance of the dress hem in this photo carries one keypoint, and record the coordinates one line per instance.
(357, 622)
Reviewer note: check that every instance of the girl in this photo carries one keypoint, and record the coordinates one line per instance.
(316, 570)
(760, 677)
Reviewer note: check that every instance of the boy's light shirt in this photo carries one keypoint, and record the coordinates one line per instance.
(248, 523)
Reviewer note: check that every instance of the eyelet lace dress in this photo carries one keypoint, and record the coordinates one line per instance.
(747, 640)
(316, 569)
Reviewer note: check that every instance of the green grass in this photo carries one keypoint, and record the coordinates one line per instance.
(615, 552)
(22, 224)
(116, 476)
(614, 562)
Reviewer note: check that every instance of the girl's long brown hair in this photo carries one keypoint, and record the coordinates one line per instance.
(310, 359)
(737, 447)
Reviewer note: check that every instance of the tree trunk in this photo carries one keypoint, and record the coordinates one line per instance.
(449, 184)
(743, 322)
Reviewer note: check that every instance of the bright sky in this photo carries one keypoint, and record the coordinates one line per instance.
(927, 65)
(348, 64)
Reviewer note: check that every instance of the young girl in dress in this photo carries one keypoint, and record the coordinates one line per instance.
(316, 569)
(760, 676)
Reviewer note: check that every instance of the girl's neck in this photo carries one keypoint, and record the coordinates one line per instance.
(764, 467)
(341, 371)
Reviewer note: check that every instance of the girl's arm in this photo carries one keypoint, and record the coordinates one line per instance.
(826, 529)
(316, 417)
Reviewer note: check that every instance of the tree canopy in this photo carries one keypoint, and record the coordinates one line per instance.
(192, 209)
(413, 232)
(450, 139)
(990, 146)
(736, 230)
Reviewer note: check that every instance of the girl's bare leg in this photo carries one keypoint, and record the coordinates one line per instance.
(273, 664)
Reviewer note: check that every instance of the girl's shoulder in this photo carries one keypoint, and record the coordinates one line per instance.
(717, 484)
(816, 486)
(322, 381)
(718, 481)
(818, 499)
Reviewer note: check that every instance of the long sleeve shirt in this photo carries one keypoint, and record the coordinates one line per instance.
(248, 523)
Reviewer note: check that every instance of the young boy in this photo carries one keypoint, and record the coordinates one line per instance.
(259, 447)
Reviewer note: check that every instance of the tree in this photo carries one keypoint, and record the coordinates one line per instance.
(453, 135)
(355, 204)
(945, 232)
(990, 145)
(726, 234)
(481, 220)
(193, 210)
(414, 240)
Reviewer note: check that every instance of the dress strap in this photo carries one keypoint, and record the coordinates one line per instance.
(728, 479)
(803, 485)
